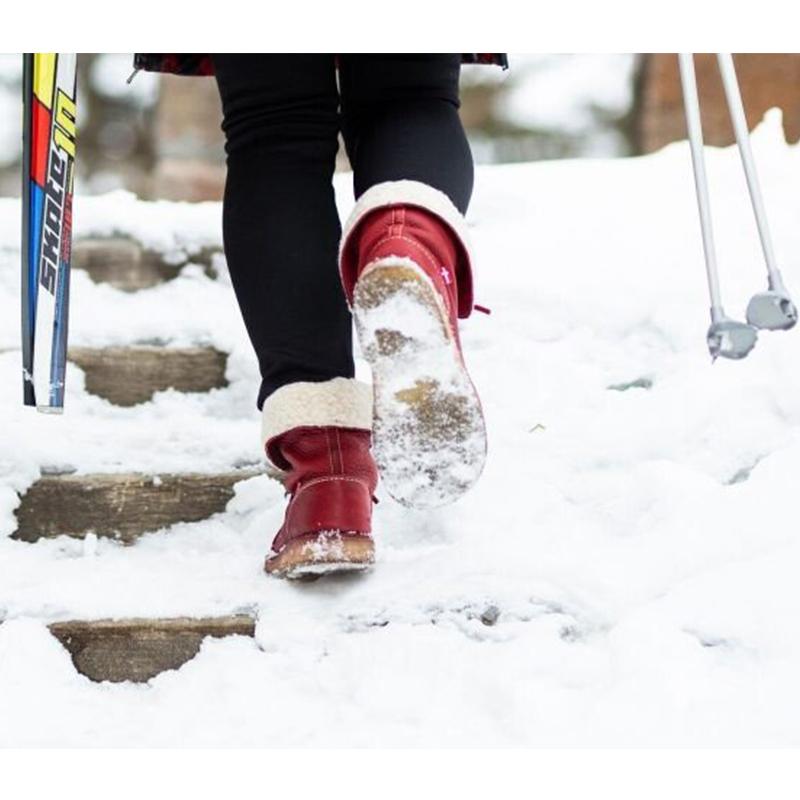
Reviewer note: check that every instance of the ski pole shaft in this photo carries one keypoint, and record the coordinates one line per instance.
(694, 126)
(736, 109)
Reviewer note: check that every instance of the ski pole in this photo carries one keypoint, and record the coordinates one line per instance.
(691, 104)
(725, 337)
(736, 109)
(773, 309)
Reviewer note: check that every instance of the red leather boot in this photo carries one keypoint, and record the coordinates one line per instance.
(406, 273)
(318, 435)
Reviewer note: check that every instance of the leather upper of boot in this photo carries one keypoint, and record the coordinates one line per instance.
(331, 476)
(406, 231)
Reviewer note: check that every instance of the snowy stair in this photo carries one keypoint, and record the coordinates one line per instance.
(127, 376)
(124, 506)
(125, 264)
(121, 506)
(139, 649)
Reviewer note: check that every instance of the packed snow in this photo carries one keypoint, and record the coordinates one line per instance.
(624, 573)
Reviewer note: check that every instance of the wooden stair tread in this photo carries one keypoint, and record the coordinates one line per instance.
(132, 374)
(123, 263)
(138, 649)
(121, 506)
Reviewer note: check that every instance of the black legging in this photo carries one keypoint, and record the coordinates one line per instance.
(399, 119)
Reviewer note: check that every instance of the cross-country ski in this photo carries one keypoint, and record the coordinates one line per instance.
(48, 180)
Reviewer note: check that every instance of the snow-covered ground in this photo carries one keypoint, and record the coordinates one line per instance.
(639, 548)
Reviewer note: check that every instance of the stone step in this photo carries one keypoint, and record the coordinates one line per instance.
(121, 506)
(132, 374)
(139, 649)
(124, 264)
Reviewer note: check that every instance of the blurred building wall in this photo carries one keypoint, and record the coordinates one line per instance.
(767, 80)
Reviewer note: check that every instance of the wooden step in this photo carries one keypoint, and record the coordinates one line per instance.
(139, 649)
(121, 506)
(124, 264)
(129, 375)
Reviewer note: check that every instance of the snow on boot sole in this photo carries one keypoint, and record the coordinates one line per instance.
(312, 556)
(429, 433)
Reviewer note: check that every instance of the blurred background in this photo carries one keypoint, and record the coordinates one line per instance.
(159, 136)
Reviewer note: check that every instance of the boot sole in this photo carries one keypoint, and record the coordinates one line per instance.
(429, 431)
(311, 557)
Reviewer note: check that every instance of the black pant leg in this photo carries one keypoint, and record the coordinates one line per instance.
(400, 121)
(280, 225)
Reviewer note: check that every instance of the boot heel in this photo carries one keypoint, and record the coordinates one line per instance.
(314, 555)
(335, 512)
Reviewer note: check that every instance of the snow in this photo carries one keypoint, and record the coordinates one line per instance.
(625, 572)
(565, 92)
(110, 76)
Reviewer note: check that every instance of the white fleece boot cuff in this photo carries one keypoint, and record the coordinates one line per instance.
(412, 193)
(339, 403)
